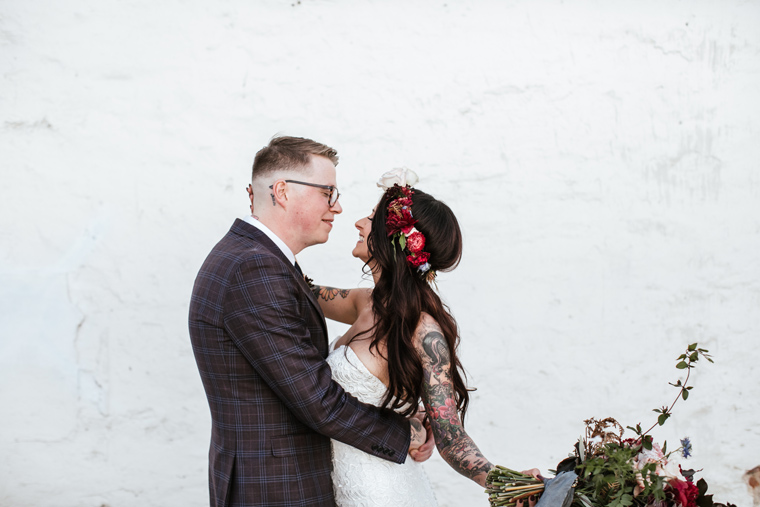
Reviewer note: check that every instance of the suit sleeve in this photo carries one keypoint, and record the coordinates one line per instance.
(263, 311)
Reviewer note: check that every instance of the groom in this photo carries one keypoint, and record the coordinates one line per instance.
(260, 342)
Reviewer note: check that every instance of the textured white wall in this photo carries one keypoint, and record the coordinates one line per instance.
(602, 158)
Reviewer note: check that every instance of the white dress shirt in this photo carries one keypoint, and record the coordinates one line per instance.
(275, 239)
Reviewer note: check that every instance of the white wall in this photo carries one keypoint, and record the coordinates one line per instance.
(603, 161)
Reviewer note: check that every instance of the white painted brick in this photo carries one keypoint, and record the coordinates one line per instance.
(601, 156)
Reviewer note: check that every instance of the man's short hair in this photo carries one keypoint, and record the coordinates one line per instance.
(289, 153)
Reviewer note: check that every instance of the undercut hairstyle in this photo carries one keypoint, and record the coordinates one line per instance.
(402, 293)
(289, 153)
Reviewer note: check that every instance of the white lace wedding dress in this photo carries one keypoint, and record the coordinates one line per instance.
(363, 480)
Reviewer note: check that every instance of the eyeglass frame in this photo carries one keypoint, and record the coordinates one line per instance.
(332, 188)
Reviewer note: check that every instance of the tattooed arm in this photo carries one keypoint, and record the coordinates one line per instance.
(341, 304)
(454, 445)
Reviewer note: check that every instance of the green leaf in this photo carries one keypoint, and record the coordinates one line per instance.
(694, 356)
(661, 420)
(402, 241)
(685, 394)
(682, 365)
(693, 346)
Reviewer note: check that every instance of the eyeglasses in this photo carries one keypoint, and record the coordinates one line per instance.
(331, 199)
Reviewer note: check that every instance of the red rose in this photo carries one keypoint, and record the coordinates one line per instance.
(415, 242)
(419, 259)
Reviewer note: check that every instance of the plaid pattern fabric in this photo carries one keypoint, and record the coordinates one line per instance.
(260, 341)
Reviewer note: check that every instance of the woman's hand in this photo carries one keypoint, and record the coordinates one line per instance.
(534, 472)
(418, 435)
(533, 499)
(423, 452)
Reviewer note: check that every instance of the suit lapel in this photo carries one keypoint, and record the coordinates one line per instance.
(245, 229)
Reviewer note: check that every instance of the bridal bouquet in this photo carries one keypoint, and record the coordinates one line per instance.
(608, 470)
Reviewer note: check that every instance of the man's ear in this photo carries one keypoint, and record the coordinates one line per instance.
(250, 195)
(279, 193)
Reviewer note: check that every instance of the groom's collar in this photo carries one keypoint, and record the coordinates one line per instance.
(271, 235)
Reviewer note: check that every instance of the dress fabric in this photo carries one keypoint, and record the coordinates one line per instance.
(363, 480)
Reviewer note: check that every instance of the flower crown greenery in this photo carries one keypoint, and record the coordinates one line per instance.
(399, 223)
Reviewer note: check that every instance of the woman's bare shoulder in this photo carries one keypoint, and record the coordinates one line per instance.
(363, 296)
(427, 328)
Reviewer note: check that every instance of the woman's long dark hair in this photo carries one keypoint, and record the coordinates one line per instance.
(402, 293)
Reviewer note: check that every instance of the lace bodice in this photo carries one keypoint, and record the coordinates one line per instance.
(353, 375)
(363, 480)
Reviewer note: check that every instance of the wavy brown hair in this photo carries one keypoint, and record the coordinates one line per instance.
(401, 294)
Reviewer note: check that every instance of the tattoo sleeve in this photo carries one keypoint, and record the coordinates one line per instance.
(453, 443)
(329, 293)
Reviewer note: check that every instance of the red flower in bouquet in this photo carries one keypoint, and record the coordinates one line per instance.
(685, 493)
(415, 242)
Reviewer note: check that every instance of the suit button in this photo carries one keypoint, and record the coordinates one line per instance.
(392, 453)
(374, 447)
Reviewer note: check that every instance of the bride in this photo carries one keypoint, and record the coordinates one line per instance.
(401, 346)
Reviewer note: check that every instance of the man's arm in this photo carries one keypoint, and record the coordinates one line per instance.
(263, 314)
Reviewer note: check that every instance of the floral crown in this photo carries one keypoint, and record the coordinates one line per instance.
(399, 221)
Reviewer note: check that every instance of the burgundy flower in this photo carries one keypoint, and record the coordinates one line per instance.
(418, 260)
(415, 242)
(401, 202)
(398, 222)
(685, 493)
(404, 190)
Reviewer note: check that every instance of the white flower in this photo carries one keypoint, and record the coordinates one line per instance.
(400, 175)
(664, 467)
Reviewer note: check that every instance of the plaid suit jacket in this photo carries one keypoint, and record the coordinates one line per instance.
(260, 342)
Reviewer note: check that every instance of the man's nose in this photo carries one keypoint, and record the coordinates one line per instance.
(337, 208)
